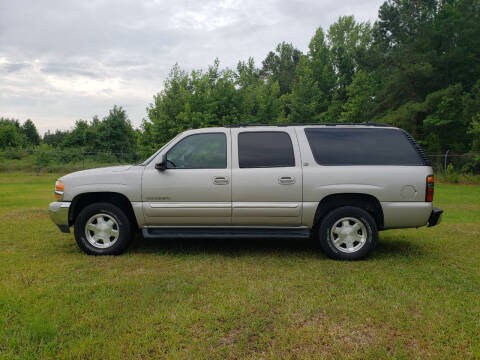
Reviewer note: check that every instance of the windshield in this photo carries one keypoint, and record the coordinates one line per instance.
(149, 160)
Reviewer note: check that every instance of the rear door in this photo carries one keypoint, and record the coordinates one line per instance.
(266, 177)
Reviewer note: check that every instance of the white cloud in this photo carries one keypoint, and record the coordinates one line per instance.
(65, 60)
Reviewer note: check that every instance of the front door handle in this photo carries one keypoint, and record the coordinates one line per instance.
(220, 180)
(286, 180)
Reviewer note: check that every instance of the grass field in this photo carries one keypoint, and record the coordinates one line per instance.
(417, 296)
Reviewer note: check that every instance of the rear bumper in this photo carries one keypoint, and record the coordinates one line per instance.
(59, 214)
(435, 217)
(406, 214)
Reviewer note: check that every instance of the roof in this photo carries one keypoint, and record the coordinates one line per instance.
(311, 124)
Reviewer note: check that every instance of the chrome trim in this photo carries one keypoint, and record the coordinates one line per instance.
(58, 211)
(236, 205)
(264, 205)
(183, 205)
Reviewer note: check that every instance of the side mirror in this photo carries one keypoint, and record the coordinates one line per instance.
(162, 165)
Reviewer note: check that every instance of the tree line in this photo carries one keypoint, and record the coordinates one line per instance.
(417, 67)
(112, 134)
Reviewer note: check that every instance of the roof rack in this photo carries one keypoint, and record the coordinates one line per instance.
(307, 124)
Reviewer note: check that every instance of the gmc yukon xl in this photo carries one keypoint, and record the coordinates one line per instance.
(339, 183)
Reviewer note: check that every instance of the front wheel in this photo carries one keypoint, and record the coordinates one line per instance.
(102, 229)
(348, 233)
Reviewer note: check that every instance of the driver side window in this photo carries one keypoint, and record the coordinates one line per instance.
(199, 151)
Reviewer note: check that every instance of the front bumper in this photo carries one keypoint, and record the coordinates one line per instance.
(59, 214)
(435, 217)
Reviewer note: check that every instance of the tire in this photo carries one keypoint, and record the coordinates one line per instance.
(348, 233)
(109, 231)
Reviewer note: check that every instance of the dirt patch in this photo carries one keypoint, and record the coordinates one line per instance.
(230, 338)
(24, 214)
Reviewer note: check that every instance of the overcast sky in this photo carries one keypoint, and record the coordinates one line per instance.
(65, 60)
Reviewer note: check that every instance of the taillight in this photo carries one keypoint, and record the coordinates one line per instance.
(59, 189)
(430, 187)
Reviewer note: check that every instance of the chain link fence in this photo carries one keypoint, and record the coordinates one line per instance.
(448, 166)
(454, 167)
(60, 161)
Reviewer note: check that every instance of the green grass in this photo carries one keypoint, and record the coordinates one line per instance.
(417, 296)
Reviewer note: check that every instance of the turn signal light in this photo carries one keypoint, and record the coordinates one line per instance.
(430, 188)
(59, 189)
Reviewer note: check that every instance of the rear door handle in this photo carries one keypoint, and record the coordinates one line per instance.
(286, 180)
(220, 180)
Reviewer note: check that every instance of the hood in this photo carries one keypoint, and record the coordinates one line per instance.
(93, 173)
(124, 180)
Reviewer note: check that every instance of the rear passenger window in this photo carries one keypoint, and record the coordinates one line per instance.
(265, 149)
(362, 147)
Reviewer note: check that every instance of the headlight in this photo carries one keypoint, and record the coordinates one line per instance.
(59, 189)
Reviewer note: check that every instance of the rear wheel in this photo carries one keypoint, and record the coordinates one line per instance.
(348, 233)
(102, 229)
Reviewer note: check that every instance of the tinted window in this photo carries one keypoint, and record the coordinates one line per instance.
(200, 151)
(265, 149)
(362, 147)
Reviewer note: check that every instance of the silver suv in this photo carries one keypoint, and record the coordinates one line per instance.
(338, 183)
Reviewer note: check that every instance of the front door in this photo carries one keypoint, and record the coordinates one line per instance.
(266, 177)
(195, 189)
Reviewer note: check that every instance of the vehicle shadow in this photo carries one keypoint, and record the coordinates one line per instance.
(226, 247)
(281, 247)
(399, 248)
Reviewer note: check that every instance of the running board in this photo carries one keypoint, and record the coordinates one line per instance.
(222, 233)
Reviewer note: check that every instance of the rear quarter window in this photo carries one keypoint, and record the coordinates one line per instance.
(362, 146)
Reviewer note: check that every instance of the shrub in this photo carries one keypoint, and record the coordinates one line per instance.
(452, 175)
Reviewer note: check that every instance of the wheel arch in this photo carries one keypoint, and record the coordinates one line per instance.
(366, 202)
(80, 201)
